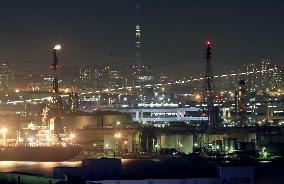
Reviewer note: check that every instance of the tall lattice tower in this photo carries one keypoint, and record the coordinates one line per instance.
(57, 102)
(209, 93)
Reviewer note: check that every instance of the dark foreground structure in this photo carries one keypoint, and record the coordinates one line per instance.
(158, 171)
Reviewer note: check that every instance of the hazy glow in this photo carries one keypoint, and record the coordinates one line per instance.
(57, 47)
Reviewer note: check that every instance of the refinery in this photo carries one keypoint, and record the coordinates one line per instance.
(155, 115)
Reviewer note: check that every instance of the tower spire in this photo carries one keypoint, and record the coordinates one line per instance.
(209, 90)
(138, 35)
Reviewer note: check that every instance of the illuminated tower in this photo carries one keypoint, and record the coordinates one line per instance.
(54, 66)
(138, 37)
(208, 76)
(57, 103)
(141, 73)
(213, 119)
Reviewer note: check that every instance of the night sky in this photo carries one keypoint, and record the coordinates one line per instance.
(95, 32)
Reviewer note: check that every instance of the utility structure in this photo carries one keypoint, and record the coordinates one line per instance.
(240, 104)
(140, 72)
(138, 37)
(209, 96)
(57, 102)
(137, 67)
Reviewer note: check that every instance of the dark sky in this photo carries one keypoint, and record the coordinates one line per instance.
(96, 32)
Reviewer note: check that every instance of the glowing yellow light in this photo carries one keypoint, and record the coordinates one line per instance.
(72, 136)
(117, 135)
(4, 132)
(197, 97)
(57, 47)
(30, 139)
(17, 90)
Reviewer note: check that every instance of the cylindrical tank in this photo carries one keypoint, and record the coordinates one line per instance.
(168, 141)
(185, 143)
(229, 144)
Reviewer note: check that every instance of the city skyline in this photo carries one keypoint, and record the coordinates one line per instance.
(141, 91)
(96, 32)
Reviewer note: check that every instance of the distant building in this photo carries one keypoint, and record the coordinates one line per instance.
(141, 73)
(70, 76)
(116, 78)
(263, 76)
(85, 78)
(107, 77)
(6, 77)
(163, 78)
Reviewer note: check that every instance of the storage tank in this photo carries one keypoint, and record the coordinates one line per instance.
(109, 141)
(185, 143)
(229, 144)
(168, 141)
